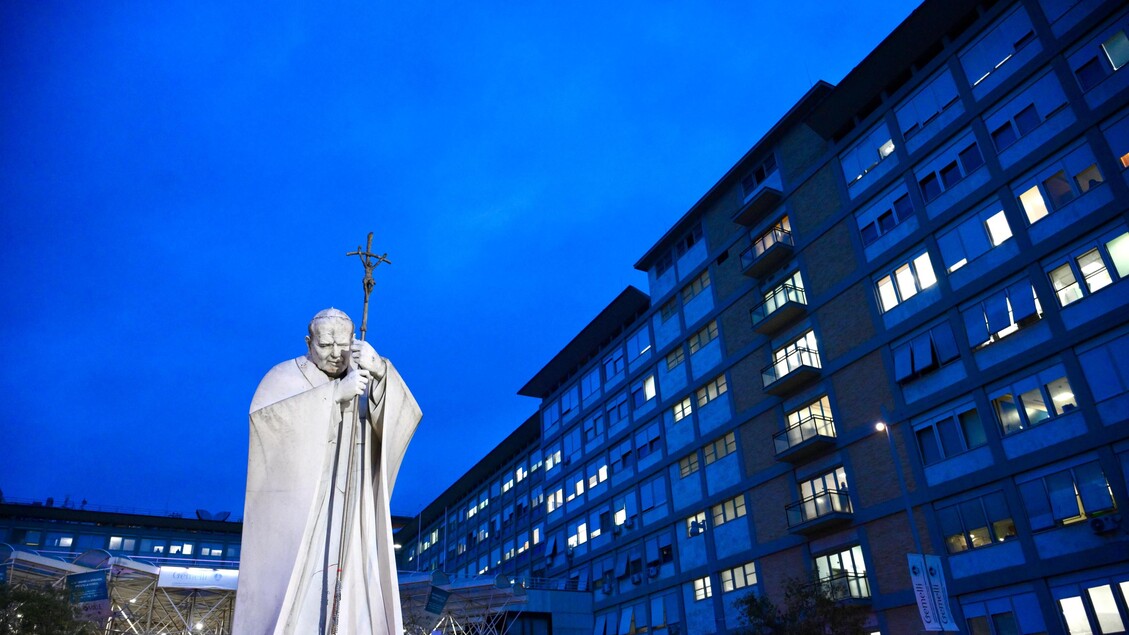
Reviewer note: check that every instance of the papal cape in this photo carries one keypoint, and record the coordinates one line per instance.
(293, 515)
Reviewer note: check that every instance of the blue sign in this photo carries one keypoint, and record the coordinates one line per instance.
(436, 600)
(87, 587)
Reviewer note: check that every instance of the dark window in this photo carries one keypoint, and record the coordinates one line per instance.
(1058, 189)
(886, 222)
(869, 233)
(1004, 136)
(1090, 74)
(970, 158)
(930, 187)
(1027, 119)
(903, 207)
(950, 175)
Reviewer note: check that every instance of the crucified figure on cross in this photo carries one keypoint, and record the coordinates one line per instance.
(370, 261)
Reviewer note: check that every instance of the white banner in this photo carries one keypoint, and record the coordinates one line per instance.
(939, 592)
(198, 578)
(921, 592)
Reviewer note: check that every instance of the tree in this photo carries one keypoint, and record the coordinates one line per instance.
(27, 611)
(807, 610)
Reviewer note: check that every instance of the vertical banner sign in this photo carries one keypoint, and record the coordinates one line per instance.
(939, 591)
(89, 593)
(919, 581)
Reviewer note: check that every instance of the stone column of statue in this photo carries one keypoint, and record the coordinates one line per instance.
(299, 527)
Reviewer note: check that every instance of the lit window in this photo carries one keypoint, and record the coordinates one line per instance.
(843, 574)
(720, 448)
(726, 511)
(682, 409)
(696, 524)
(702, 589)
(669, 309)
(1059, 184)
(738, 577)
(979, 522)
(1095, 268)
(1067, 496)
(906, 281)
(866, 154)
(674, 358)
(705, 335)
(643, 390)
(688, 465)
(1033, 400)
(711, 391)
(696, 287)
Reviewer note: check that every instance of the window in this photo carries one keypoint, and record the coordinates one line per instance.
(1068, 496)
(865, 155)
(577, 533)
(1016, 615)
(691, 238)
(980, 522)
(883, 216)
(590, 384)
(696, 287)
(1096, 267)
(1024, 112)
(688, 465)
(570, 399)
(647, 440)
(1001, 314)
(551, 416)
(615, 409)
(933, 181)
(554, 500)
(1095, 63)
(906, 281)
(738, 577)
(1117, 134)
(653, 493)
(720, 448)
(594, 425)
(953, 433)
(1092, 606)
(643, 390)
(638, 344)
(726, 511)
(1033, 400)
(843, 574)
(925, 353)
(820, 496)
(927, 103)
(973, 236)
(614, 364)
(1059, 183)
(702, 589)
(711, 391)
(803, 351)
(696, 525)
(998, 44)
(705, 335)
(682, 409)
(675, 357)
(669, 309)
(756, 177)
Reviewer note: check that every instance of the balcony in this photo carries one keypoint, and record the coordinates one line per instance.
(798, 367)
(780, 308)
(819, 512)
(767, 252)
(846, 585)
(809, 436)
(758, 203)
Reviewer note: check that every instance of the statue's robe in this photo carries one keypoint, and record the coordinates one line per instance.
(295, 509)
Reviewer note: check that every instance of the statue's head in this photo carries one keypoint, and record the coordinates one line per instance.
(331, 335)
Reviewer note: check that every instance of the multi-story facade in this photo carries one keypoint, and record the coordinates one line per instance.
(938, 245)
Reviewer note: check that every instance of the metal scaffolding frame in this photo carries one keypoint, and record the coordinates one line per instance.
(480, 605)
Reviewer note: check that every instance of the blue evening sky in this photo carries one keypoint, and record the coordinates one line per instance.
(180, 182)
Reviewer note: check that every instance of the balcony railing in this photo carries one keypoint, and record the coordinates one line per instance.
(797, 366)
(780, 306)
(809, 431)
(827, 506)
(770, 249)
(846, 585)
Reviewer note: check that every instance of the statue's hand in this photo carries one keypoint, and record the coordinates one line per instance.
(352, 385)
(364, 356)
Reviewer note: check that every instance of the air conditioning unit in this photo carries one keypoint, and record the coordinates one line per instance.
(1105, 524)
(636, 578)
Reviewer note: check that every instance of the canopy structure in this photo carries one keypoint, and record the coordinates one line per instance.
(479, 605)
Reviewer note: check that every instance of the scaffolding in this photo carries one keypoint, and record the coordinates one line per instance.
(479, 605)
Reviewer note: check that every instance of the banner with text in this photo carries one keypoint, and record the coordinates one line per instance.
(928, 581)
(198, 578)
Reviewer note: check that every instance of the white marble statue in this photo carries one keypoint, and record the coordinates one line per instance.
(296, 511)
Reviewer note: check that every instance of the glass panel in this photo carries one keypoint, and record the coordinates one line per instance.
(998, 229)
(1062, 397)
(1093, 270)
(1038, 507)
(1093, 489)
(1008, 413)
(924, 268)
(1119, 253)
(1105, 608)
(927, 442)
(1066, 287)
(1004, 136)
(950, 437)
(970, 158)
(975, 523)
(1058, 189)
(1005, 623)
(887, 294)
(1088, 178)
(973, 429)
(1033, 204)
(1074, 614)
(1027, 119)
(1064, 500)
(906, 285)
(1035, 406)
(1117, 49)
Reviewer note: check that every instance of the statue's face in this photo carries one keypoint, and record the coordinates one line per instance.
(329, 346)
